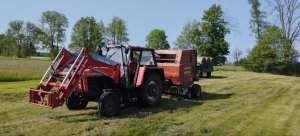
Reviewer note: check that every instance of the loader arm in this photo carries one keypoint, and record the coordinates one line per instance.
(61, 84)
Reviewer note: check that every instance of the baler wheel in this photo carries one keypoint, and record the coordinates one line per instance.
(196, 91)
(75, 102)
(151, 90)
(188, 95)
(200, 74)
(109, 104)
(208, 74)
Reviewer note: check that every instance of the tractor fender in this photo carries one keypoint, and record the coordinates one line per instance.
(144, 70)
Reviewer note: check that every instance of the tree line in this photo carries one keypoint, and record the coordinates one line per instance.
(207, 36)
(22, 38)
(274, 50)
(275, 44)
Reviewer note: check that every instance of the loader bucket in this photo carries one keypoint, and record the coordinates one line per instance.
(54, 92)
(44, 98)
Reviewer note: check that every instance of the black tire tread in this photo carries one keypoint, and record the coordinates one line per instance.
(105, 96)
(208, 74)
(194, 90)
(74, 102)
(142, 94)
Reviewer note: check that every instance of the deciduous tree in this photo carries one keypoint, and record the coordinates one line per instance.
(288, 12)
(269, 55)
(2, 37)
(190, 37)
(54, 25)
(116, 32)
(157, 39)
(32, 38)
(214, 28)
(21, 38)
(88, 33)
(15, 33)
(257, 21)
(236, 55)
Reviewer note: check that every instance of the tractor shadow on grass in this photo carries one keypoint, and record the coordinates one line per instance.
(214, 77)
(133, 110)
(169, 105)
(215, 96)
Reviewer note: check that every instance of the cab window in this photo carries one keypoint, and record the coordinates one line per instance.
(147, 58)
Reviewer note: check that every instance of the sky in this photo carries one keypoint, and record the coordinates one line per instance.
(141, 16)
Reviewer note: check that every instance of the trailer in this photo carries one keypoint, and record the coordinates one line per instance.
(204, 66)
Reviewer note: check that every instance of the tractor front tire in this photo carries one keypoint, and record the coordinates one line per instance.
(109, 104)
(150, 93)
(196, 91)
(76, 102)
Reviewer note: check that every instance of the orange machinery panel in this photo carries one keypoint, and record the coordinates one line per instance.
(179, 65)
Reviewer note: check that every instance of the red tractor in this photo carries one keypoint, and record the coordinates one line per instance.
(124, 74)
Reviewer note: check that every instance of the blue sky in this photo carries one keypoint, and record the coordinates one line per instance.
(141, 16)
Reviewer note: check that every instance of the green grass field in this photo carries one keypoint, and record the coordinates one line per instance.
(235, 102)
(21, 69)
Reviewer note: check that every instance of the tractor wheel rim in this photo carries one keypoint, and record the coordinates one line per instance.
(153, 90)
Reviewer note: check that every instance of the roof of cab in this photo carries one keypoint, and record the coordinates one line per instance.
(133, 47)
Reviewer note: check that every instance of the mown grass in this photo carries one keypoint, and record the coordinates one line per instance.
(229, 68)
(22, 69)
(234, 103)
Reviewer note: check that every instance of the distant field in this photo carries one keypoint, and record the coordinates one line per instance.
(234, 103)
(21, 69)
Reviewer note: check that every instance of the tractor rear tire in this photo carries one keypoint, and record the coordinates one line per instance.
(76, 102)
(196, 91)
(109, 104)
(150, 93)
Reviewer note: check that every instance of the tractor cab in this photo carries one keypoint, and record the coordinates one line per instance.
(131, 60)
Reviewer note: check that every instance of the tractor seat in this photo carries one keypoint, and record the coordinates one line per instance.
(132, 66)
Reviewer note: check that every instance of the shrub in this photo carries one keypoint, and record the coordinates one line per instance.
(273, 53)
